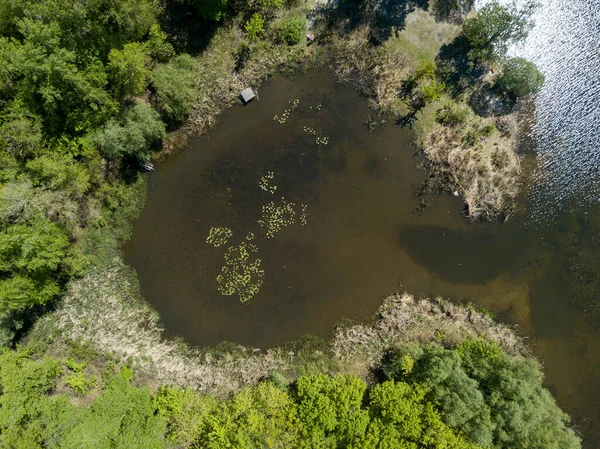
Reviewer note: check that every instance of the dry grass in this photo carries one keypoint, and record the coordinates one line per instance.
(104, 309)
(403, 319)
(376, 72)
(423, 36)
(485, 174)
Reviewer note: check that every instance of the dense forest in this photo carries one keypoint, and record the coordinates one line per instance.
(91, 88)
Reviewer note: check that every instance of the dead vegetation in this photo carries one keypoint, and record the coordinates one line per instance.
(477, 161)
(103, 310)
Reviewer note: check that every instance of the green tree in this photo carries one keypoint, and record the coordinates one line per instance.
(330, 410)
(494, 28)
(175, 85)
(289, 31)
(59, 171)
(520, 78)
(29, 418)
(157, 46)
(211, 9)
(489, 397)
(128, 68)
(122, 417)
(141, 130)
(21, 136)
(30, 256)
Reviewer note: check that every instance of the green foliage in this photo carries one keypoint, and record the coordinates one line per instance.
(211, 9)
(290, 31)
(491, 398)
(453, 114)
(494, 28)
(141, 130)
(262, 417)
(157, 46)
(520, 78)
(175, 85)
(55, 171)
(21, 136)
(128, 68)
(424, 87)
(271, 5)
(30, 255)
(121, 417)
(450, 10)
(29, 417)
(331, 410)
(254, 26)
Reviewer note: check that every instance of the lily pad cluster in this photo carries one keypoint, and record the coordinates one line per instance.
(276, 216)
(241, 275)
(218, 236)
(267, 183)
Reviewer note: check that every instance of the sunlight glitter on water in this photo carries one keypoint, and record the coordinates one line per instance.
(565, 45)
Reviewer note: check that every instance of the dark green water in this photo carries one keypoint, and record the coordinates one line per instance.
(363, 240)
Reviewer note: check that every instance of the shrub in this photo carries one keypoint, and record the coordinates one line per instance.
(157, 46)
(175, 85)
(211, 9)
(271, 5)
(290, 30)
(520, 78)
(128, 68)
(491, 398)
(452, 114)
(141, 130)
(255, 26)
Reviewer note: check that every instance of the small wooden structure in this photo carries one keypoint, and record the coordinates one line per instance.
(247, 95)
(147, 165)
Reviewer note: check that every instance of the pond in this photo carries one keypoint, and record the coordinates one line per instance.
(357, 237)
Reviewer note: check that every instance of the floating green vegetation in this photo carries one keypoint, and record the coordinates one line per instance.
(218, 236)
(241, 275)
(319, 140)
(275, 217)
(286, 113)
(303, 220)
(267, 183)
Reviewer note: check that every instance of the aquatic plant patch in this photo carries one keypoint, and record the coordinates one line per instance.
(241, 275)
(276, 216)
(218, 236)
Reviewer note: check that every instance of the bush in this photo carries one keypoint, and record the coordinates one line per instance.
(520, 78)
(141, 130)
(271, 5)
(157, 46)
(175, 85)
(452, 114)
(211, 9)
(290, 31)
(488, 396)
(30, 256)
(255, 26)
(128, 68)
